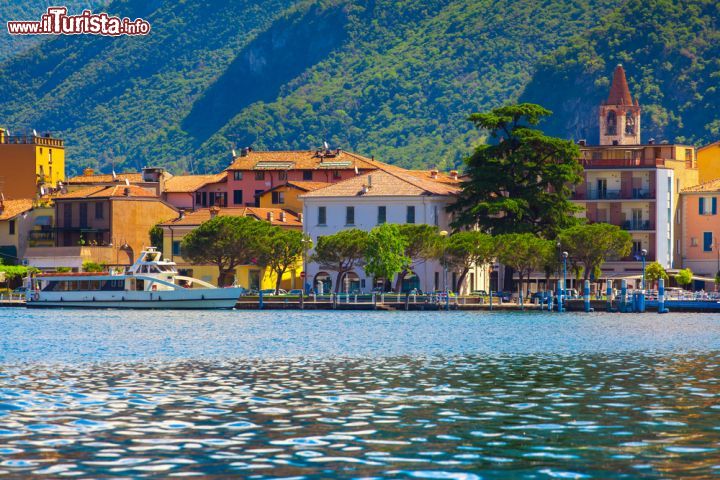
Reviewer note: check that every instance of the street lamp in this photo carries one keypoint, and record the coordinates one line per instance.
(444, 235)
(643, 254)
(306, 241)
(564, 285)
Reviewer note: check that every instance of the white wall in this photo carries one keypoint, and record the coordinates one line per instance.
(664, 226)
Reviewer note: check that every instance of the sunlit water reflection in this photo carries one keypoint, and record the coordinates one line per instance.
(273, 395)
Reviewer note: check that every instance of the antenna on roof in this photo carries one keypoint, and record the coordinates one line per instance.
(114, 175)
(327, 147)
(35, 133)
(127, 182)
(233, 153)
(356, 170)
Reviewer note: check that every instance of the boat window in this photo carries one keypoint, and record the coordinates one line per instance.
(139, 285)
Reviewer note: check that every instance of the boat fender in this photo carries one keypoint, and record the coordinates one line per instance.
(203, 297)
(159, 298)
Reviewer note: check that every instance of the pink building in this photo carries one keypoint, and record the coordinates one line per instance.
(192, 192)
(700, 240)
(253, 173)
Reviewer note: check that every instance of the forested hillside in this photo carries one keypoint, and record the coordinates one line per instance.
(394, 79)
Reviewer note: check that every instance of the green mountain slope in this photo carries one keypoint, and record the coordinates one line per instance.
(14, 11)
(671, 53)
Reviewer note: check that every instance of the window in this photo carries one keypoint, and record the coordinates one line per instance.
(688, 154)
(237, 197)
(611, 123)
(83, 215)
(259, 175)
(693, 242)
(707, 241)
(349, 215)
(99, 210)
(278, 198)
(11, 225)
(307, 175)
(410, 216)
(336, 174)
(637, 247)
(67, 215)
(237, 175)
(707, 205)
(437, 281)
(176, 247)
(322, 215)
(382, 215)
(282, 175)
(436, 215)
(257, 197)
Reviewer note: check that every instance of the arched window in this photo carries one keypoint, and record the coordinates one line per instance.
(611, 123)
(629, 124)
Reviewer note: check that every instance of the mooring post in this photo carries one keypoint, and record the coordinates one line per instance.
(586, 295)
(661, 296)
(550, 300)
(608, 293)
(302, 300)
(623, 295)
(407, 301)
(560, 296)
(260, 300)
(491, 300)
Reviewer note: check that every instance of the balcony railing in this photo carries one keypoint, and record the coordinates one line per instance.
(596, 194)
(622, 162)
(643, 225)
(31, 140)
(39, 238)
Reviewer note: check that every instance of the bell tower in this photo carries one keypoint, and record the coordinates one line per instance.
(619, 116)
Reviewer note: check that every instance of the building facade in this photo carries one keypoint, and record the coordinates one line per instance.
(30, 165)
(390, 195)
(700, 227)
(633, 185)
(708, 158)
(287, 196)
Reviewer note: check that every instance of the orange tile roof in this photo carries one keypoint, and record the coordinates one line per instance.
(192, 219)
(386, 182)
(133, 177)
(305, 186)
(711, 186)
(112, 191)
(302, 160)
(619, 90)
(10, 209)
(191, 183)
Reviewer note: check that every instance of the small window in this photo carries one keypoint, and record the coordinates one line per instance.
(349, 215)
(707, 241)
(237, 197)
(336, 174)
(693, 242)
(11, 225)
(176, 247)
(278, 198)
(237, 175)
(99, 210)
(382, 214)
(322, 215)
(307, 175)
(282, 175)
(410, 217)
(257, 197)
(436, 215)
(707, 205)
(259, 175)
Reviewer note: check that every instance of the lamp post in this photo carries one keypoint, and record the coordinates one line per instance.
(717, 250)
(643, 254)
(564, 285)
(444, 235)
(306, 246)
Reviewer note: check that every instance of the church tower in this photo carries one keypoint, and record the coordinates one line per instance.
(619, 116)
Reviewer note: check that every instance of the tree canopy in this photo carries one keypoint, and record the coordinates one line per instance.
(280, 249)
(466, 249)
(421, 244)
(521, 182)
(591, 245)
(385, 252)
(341, 252)
(523, 252)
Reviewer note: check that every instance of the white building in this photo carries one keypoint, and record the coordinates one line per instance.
(388, 195)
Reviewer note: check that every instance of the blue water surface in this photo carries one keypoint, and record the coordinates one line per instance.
(445, 395)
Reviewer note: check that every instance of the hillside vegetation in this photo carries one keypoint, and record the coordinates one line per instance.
(394, 79)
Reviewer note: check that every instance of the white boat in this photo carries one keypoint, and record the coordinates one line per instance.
(150, 282)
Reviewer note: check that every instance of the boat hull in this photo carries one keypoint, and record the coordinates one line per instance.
(221, 298)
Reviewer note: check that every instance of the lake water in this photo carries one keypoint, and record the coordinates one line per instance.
(445, 395)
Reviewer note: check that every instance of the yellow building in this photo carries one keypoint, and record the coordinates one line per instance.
(28, 162)
(247, 276)
(23, 223)
(708, 159)
(286, 196)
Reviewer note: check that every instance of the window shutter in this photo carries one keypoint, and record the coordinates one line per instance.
(701, 206)
(714, 205)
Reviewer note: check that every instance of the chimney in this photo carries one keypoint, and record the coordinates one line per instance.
(369, 185)
(582, 142)
(244, 151)
(651, 141)
(270, 217)
(300, 217)
(126, 191)
(454, 174)
(364, 190)
(214, 211)
(181, 214)
(88, 172)
(433, 174)
(282, 216)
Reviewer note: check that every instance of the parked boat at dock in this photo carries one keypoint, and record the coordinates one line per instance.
(150, 283)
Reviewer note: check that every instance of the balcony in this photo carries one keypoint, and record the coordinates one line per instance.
(603, 163)
(31, 140)
(41, 238)
(634, 194)
(642, 225)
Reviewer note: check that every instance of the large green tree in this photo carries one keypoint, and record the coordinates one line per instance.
(519, 183)
(280, 250)
(523, 252)
(226, 242)
(385, 252)
(341, 252)
(654, 272)
(591, 245)
(421, 244)
(466, 249)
